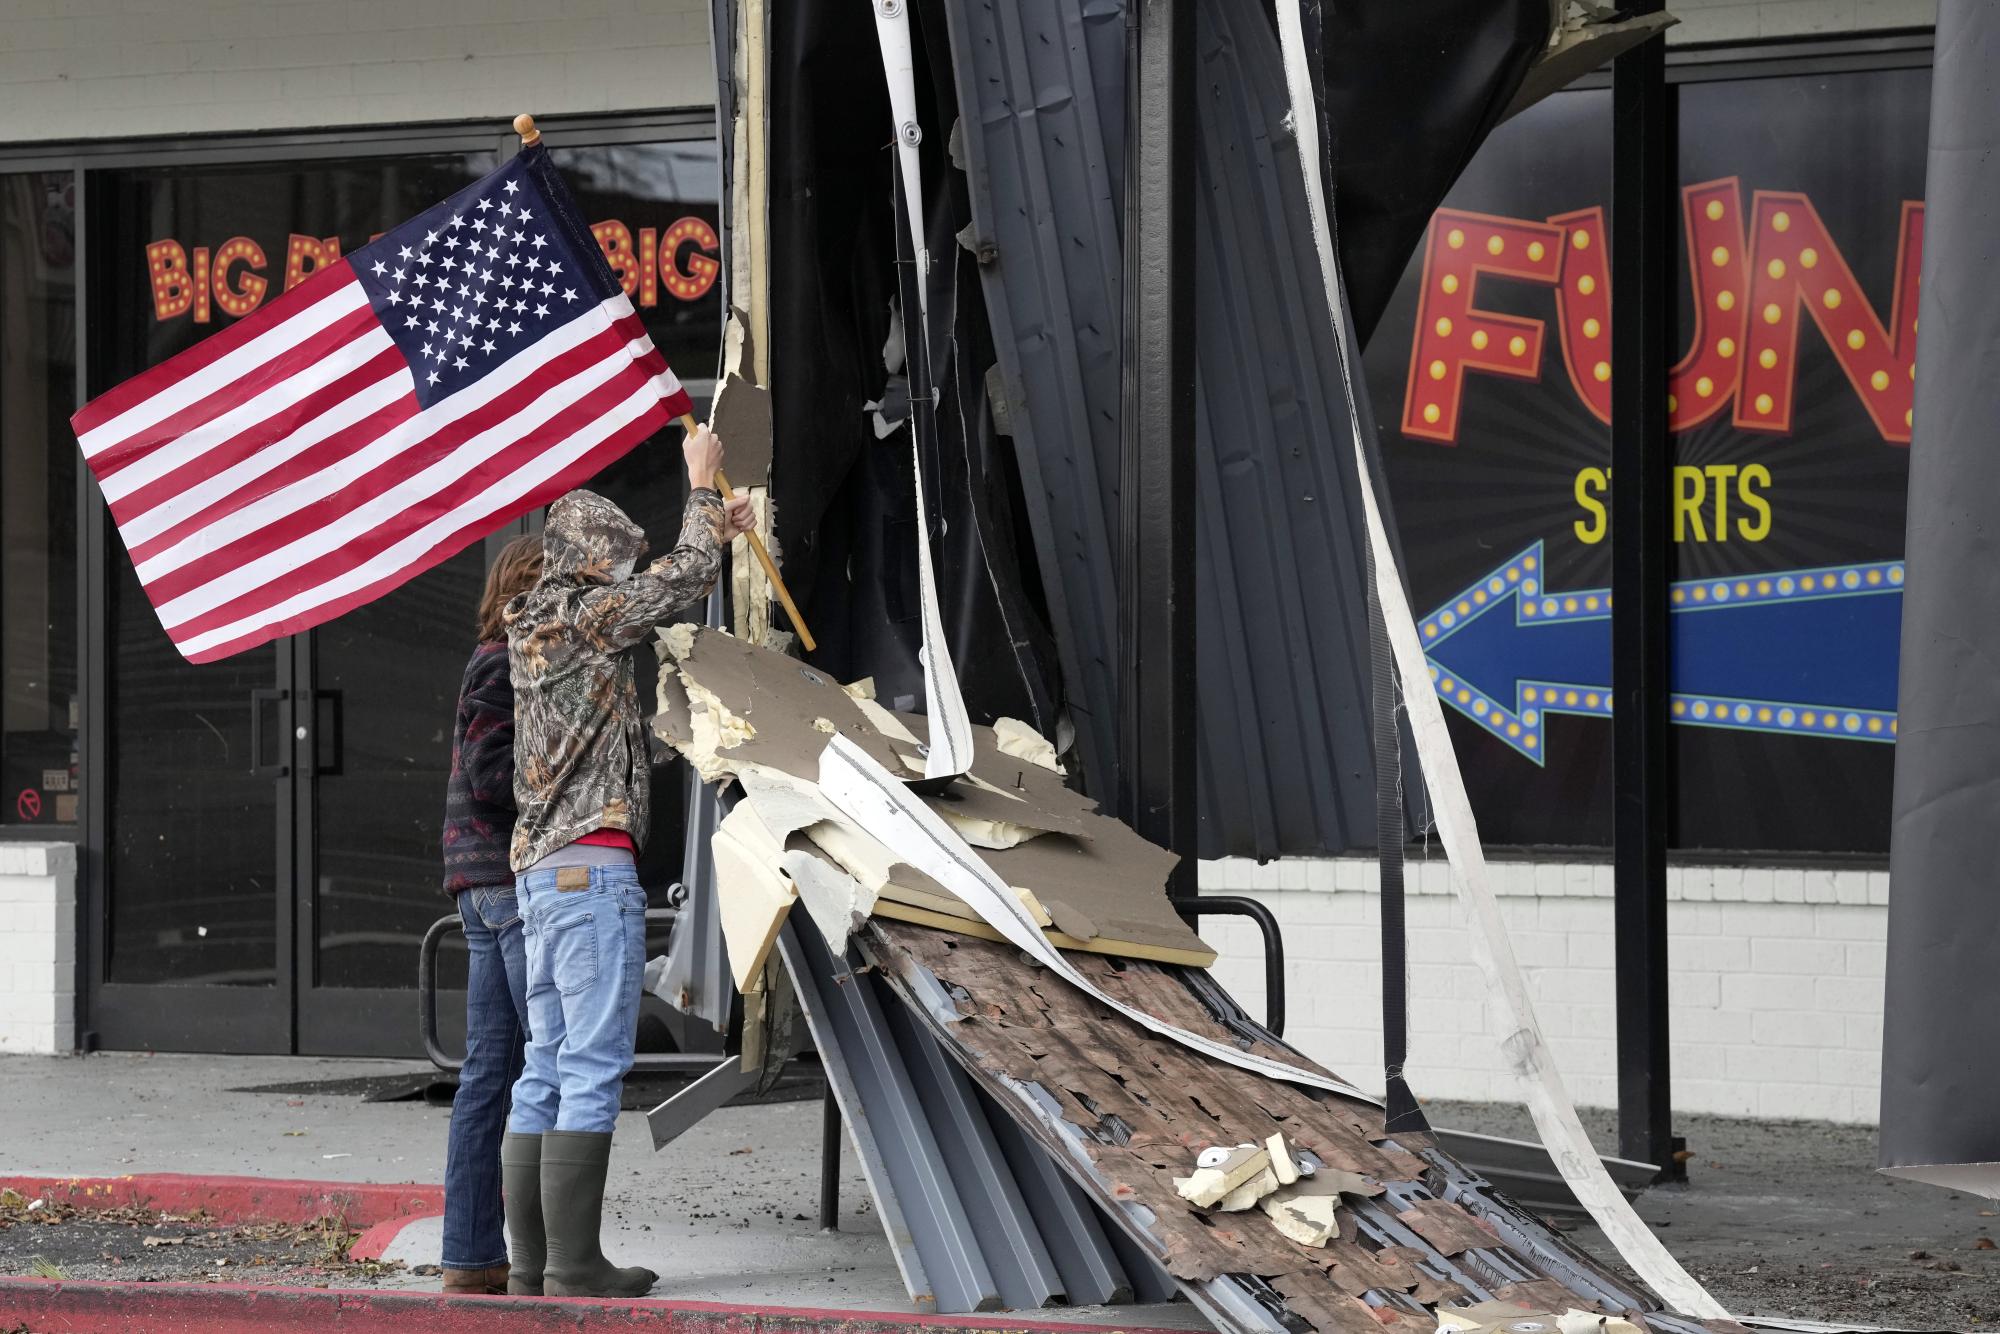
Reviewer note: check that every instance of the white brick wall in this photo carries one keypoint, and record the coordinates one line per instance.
(37, 947)
(76, 69)
(1746, 20)
(1774, 987)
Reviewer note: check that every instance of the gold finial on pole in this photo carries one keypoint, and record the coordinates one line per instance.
(524, 125)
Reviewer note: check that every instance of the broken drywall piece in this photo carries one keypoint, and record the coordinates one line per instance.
(1016, 738)
(1071, 922)
(1115, 881)
(1513, 1318)
(765, 705)
(672, 722)
(741, 416)
(1209, 1186)
(785, 804)
(1581, 43)
(751, 897)
(1283, 1164)
(888, 724)
(836, 902)
(1590, 1322)
(1249, 1193)
(1310, 1220)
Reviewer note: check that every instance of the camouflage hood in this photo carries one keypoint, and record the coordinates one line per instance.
(580, 754)
(588, 540)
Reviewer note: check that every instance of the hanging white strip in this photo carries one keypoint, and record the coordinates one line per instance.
(950, 747)
(878, 801)
(1555, 1116)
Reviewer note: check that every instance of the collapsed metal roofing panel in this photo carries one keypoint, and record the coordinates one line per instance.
(1282, 661)
(1041, 121)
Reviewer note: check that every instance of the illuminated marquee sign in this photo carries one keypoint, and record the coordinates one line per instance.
(231, 277)
(1750, 282)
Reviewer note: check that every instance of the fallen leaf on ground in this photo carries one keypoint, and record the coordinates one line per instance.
(1983, 1244)
(737, 1153)
(164, 1241)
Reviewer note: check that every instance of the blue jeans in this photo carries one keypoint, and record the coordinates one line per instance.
(496, 1029)
(586, 934)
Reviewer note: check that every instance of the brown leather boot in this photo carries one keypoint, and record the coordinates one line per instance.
(476, 1282)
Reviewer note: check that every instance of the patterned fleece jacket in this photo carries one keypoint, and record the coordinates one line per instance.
(479, 799)
(580, 757)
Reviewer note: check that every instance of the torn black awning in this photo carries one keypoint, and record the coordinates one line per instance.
(1410, 89)
(1022, 110)
(1940, 1029)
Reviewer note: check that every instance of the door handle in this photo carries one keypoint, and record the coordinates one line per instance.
(330, 717)
(277, 700)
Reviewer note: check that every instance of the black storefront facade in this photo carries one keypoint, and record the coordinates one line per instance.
(257, 838)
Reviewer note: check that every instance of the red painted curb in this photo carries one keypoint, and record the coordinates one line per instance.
(371, 1244)
(184, 1308)
(240, 1199)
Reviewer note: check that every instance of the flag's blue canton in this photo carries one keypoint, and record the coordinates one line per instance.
(466, 285)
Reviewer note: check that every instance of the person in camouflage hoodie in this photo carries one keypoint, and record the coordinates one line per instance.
(581, 793)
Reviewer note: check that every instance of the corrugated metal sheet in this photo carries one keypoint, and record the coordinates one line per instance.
(1282, 659)
(1041, 102)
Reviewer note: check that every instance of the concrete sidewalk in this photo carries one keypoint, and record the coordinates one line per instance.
(727, 1213)
(1778, 1218)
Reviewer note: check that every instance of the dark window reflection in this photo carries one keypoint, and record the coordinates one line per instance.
(387, 676)
(203, 850)
(38, 703)
(193, 854)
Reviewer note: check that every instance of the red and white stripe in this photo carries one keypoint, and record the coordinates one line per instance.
(281, 472)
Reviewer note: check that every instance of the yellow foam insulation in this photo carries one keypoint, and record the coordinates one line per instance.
(1025, 743)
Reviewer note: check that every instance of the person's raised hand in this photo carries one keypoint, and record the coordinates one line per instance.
(703, 452)
(738, 516)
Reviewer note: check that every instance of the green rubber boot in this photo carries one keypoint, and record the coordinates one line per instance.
(521, 1184)
(573, 1166)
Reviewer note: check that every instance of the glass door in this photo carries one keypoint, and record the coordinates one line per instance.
(383, 683)
(198, 804)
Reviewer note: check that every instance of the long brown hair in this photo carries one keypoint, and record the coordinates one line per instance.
(515, 570)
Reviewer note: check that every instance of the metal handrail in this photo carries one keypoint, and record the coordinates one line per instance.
(1237, 905)
(427, 989)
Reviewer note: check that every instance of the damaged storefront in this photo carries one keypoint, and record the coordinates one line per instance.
(256, 839)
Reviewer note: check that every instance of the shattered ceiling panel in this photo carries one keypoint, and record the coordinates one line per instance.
(741, 711)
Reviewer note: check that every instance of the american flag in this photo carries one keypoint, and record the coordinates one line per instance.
(398, 405)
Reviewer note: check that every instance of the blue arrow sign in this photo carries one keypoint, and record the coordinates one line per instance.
(1802, 651)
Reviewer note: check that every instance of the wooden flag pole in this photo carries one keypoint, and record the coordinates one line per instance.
(524, 125)
(762, 553)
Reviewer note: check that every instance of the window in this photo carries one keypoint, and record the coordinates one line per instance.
(38, 480)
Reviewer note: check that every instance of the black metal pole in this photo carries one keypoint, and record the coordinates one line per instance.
(829, 1162)
(1156, 496)
(1641, 559)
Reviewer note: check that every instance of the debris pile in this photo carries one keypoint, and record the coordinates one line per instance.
(735, 710)
(1246, 1171)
